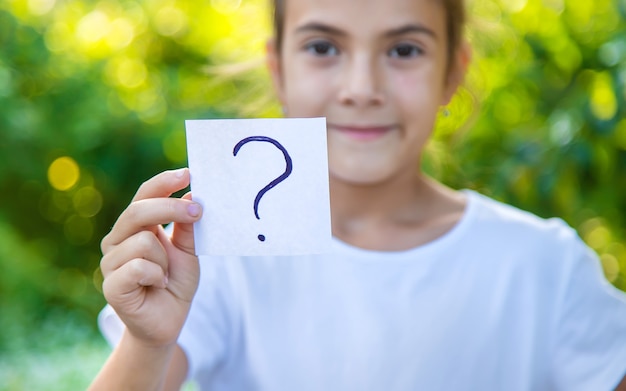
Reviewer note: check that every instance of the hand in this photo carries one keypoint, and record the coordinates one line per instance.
(149, 277)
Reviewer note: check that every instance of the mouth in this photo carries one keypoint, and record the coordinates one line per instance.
(362, 133)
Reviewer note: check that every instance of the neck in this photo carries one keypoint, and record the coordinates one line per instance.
(395, 201)
(402, 212)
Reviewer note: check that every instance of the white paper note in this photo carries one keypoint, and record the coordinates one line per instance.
(263, 185)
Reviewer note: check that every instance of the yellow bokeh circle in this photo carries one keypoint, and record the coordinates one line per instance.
(63, 173)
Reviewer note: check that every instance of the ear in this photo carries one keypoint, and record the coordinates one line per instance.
(274, 67)
(456, 75)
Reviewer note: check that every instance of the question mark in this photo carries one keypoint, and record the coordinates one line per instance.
(275, 181)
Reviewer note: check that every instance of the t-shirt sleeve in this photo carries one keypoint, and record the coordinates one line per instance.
(206, 331)
(208, 328)
(590, 342)
(111, 326)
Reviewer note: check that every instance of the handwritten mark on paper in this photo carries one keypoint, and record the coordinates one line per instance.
(282, 177)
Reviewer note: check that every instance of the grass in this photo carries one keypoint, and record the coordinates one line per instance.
(67, 368)
(60, 355)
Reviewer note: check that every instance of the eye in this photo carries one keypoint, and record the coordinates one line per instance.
(405, 50)
(322, 48)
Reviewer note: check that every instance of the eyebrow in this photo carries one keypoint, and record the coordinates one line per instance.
(320, 28)
(411, 28)
(407, 29)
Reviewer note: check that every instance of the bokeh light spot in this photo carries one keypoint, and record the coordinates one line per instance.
(514, 5)
(563, 127)
(611, 53)
(599, 237)
(97, 279)
(63, 173)
(121, 34)
(87, 201)
(610, 266)
(603, 99)
(170, 21)
(93, 27)
(131, 73)
(58, 37)
(40, 7)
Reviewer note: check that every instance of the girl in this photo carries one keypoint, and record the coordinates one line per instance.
(428, 288)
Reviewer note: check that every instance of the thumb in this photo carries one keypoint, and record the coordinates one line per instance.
(182, 237)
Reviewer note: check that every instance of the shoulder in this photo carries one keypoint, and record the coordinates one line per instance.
(514, 233)
(500, 219)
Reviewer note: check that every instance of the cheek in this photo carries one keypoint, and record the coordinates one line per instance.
(417, 92)
(307, 91)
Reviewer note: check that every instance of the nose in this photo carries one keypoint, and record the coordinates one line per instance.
(361, 83)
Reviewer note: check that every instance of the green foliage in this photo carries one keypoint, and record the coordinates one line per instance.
(93, 96)
(549, 82)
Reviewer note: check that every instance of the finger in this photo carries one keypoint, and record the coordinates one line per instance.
(143, 244)
(133, 275)
(182, 236)
(147, 215)
(163, 184)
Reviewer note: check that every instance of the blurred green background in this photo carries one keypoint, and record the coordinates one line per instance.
(93, 95)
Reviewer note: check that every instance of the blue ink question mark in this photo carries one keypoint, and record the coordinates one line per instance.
(275, 181)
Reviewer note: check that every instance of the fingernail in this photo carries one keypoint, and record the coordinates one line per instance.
(180, 172)
(194, 210)
(165, 280)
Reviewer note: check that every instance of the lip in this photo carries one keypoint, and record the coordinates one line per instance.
(363, 133)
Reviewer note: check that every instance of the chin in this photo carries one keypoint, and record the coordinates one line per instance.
(370, 168)
(360, 176)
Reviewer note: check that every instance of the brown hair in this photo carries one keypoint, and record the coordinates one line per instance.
(455, 22)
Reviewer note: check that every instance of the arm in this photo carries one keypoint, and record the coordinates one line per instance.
(590, 343)
(136, 366)
(150, 279)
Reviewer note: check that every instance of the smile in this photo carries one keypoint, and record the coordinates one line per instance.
(362, 133)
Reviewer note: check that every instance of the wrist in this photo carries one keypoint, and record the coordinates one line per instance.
(148, 346)
(135, 364)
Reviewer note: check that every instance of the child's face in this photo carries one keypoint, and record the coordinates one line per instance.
(377, 70)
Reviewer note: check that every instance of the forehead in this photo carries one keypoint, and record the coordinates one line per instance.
(365, 15)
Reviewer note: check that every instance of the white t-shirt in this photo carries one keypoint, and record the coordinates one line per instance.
(504, 301)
